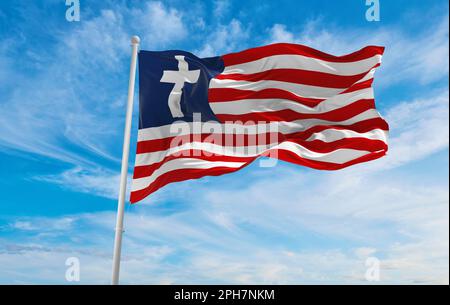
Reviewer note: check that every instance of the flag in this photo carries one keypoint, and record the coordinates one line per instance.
(210, 116)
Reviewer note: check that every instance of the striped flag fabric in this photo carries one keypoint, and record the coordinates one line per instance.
(210, 116)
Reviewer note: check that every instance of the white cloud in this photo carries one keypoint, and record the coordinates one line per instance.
(418, 128)
(422, 58)
(225, 39)
(99, 42)
(160, 25)
(314, 237)
(364, 252)
(279, 33)
(221, 7)
(98, 181)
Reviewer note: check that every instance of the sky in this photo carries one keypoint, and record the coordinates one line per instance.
(63, 88)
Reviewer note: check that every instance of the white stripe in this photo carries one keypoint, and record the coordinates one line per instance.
(186, 128)
(304, 63)
(268, 105)
(328, 135)
(297, 89)
(368, 76)
(338, 156)
(210, 148)
(331, 135)
(183, 163)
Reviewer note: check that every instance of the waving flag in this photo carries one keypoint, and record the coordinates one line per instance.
(211, 116)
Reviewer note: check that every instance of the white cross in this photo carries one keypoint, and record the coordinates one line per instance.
(183, 75)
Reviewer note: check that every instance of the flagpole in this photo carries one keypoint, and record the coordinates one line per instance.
(124, 170)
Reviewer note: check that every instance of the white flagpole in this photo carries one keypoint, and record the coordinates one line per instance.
(124, 170)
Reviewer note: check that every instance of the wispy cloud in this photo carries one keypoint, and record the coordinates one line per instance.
(221, 7)
(99, 181)
(314, 236)
(417, 128)
(226, 38)
(287, 226)
(160, 25)
(422, 57)
(72, 111)
(58, 110)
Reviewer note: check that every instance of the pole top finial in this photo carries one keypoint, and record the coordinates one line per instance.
(135, 40)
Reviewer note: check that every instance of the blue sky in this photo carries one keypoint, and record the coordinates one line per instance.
(62, 106)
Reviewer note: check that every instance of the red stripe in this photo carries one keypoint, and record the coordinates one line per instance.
(295, 49)
(218, 95)
(317, 146)
(179, 175)
(311, 78)
(147, 170)
(213, 138)
(361, 127)
(289, 156)
(362, 85)
(288, 115)
(166, 143)
(346, 143)
(187, 174)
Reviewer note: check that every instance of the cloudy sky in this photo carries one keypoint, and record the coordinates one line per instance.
(63, 89)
